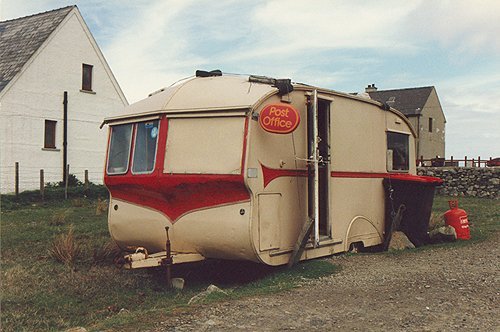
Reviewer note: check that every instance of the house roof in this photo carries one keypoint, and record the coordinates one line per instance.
(409, 101)
(20, 38)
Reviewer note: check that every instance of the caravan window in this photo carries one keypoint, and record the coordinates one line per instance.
(398, 158)
(146, 137)
(205, 145)
(119, 149)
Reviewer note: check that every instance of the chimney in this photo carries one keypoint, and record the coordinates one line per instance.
(371, 88)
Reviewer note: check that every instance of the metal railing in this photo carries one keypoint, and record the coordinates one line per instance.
(452, 162)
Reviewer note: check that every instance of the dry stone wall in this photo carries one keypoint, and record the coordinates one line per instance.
(466, 181)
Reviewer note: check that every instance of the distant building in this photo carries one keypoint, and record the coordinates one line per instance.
(422, 107)
(43, 56)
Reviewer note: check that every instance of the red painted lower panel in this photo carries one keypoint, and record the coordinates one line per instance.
(177, 194)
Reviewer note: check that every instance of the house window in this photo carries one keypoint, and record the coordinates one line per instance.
(87, 77)
(50, 134)
(398, 156)
(430, 125)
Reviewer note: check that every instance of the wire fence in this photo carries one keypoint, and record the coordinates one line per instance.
(18, 178)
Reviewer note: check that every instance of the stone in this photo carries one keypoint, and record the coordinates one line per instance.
(436, 220)
(178, 283)
(76, 329)
(399, 241)
(201, 296)
(443, 234)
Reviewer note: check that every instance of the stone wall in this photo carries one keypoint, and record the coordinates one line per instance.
(466, 181)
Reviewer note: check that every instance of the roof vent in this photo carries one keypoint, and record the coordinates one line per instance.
(204, 73)
(371, 88)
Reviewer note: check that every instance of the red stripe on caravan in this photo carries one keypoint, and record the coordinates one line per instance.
(392, 176)
(271, 174)
(359, 175)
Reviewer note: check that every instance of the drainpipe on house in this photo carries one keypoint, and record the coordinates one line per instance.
(418, 136)
(65, 136)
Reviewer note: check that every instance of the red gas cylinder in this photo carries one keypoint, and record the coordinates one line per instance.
(457, 218)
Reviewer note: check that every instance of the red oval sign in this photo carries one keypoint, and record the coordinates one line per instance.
(279, 118)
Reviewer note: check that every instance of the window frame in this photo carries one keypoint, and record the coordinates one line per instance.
(54, 133)
(87, 81)
(132, 127)
(407, 147)
(135, 144)
(431, 124)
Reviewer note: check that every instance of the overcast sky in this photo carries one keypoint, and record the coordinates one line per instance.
(341, 45)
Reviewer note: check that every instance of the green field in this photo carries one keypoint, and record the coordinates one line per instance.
(40, 293)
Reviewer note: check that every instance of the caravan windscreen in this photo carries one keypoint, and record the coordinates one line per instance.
(146, 137)
(119, 149)
(212, 145)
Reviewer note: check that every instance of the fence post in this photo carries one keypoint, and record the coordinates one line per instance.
(66, 182)
(451, 161)
(479, 161)
(422, 160)
(17, 179)
(465, 161)
(86, 179)
(42, 185)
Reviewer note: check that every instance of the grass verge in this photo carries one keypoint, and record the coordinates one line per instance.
(39, 293)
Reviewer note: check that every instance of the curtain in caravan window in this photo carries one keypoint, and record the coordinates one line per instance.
(398, 144)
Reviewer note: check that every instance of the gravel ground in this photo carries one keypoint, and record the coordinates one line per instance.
(440, 289)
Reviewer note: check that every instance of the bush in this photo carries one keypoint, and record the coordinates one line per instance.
(11, 202)
(72, 182)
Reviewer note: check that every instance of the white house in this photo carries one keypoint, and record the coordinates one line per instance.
(44, 57)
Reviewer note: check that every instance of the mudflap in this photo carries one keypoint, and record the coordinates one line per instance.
(417, 197)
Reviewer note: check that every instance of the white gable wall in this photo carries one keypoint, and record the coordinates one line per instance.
(37, 95)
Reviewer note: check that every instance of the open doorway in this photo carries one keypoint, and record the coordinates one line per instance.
(323, 147)
(324, 165)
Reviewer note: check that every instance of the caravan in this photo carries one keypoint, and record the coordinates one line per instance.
(260, 169)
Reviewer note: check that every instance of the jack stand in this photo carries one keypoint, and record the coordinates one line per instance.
(167, 261)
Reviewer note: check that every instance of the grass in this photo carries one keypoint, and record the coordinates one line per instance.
(483, 215)
(38, 293)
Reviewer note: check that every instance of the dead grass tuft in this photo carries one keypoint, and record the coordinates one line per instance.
(77, 202)
(102, 207)
(65, 249)
(59, 218)
(107, 252)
